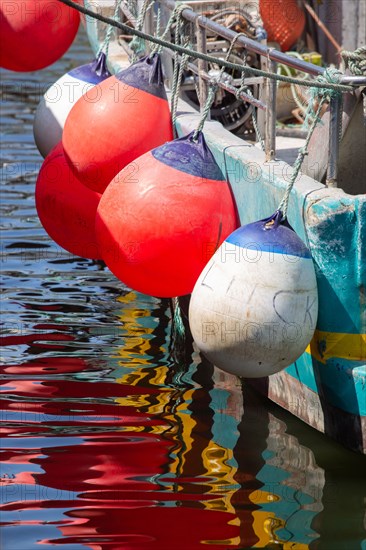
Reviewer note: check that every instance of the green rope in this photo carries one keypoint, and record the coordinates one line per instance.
(256, 128)
(330, 75)
(211, 59)
(355, 61)
(298, 101)
(179, 67)
(137, 44)
(303, 151)
(177, 80)
(318, 96)
(179, 333)
(212, 90)
(105, 45)
(175, 15)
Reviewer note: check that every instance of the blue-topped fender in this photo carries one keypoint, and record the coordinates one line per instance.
(190, 156)
(94, 72)
(146, 75)
(275, 232)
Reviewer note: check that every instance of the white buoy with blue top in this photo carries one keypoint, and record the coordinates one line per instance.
(254, 308)
(59, 99)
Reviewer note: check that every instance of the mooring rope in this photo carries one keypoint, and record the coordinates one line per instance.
(355, 61)
(137, 44)
(178, 67)
(318, 97)
(105, 44)
(205, 57)
(213, 88)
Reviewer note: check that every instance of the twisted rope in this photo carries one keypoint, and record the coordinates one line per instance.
(178, 328)
(330, 75)
(209, 58)
(318, 97)
(213, 88)
(244, 88)
(303, 151)
(178, 67)
(105, 45)
(175, 15)
(355, 61)
(137, 44)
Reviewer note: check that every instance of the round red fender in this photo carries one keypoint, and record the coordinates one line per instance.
(66, 207)
(128, 116)
(35, 33)
(163, 216)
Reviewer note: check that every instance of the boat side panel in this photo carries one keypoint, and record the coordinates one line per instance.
(332, 224)
(308, 405)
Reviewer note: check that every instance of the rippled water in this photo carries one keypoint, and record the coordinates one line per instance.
(109, 443)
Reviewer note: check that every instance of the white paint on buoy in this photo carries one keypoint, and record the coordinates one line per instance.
(57, 102)
(254, 308)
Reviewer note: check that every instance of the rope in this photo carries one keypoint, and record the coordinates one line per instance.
(177, 79)
(176, 15)
(105, 45)
(209, 58)
(256, 127)
(137, 44)
(300, 102)
(355, 61)
(213, 88)
(332, 75)
(318, 96)
(178, 329)
(303, 151)
(178, 67)
(244, 88)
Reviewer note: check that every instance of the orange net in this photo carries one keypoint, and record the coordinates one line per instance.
(283, 20)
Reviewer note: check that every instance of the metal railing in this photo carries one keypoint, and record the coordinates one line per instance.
(270, 57)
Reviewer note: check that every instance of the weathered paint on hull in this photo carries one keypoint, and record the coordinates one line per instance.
(326, 386)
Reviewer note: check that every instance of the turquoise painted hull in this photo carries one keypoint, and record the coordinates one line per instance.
(330, 377)
(326, 386)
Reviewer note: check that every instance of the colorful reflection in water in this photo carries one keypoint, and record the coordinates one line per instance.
(131, 450)
(110, 444)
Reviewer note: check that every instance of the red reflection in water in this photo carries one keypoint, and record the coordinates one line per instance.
(111, 480)
(58, 365)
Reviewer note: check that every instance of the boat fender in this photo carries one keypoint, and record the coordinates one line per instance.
(35, 33)
(163, 217)
(66, 208)
(129, 117)
(254, 308)
(59, 99)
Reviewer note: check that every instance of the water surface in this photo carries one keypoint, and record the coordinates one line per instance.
(111, 444)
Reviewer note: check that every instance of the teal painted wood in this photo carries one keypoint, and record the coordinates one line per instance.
(333, 225)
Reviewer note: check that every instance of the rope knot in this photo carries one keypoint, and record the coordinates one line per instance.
(355, 61)
(331, 75)
(137, 45)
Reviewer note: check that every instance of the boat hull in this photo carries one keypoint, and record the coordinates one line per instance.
(326, 386)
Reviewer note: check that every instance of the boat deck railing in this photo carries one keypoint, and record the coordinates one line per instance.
(269, 57)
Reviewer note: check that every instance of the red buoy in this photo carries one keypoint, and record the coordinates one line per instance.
(66, 207)
(35, 33)
(162, 217)
(128, 116)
